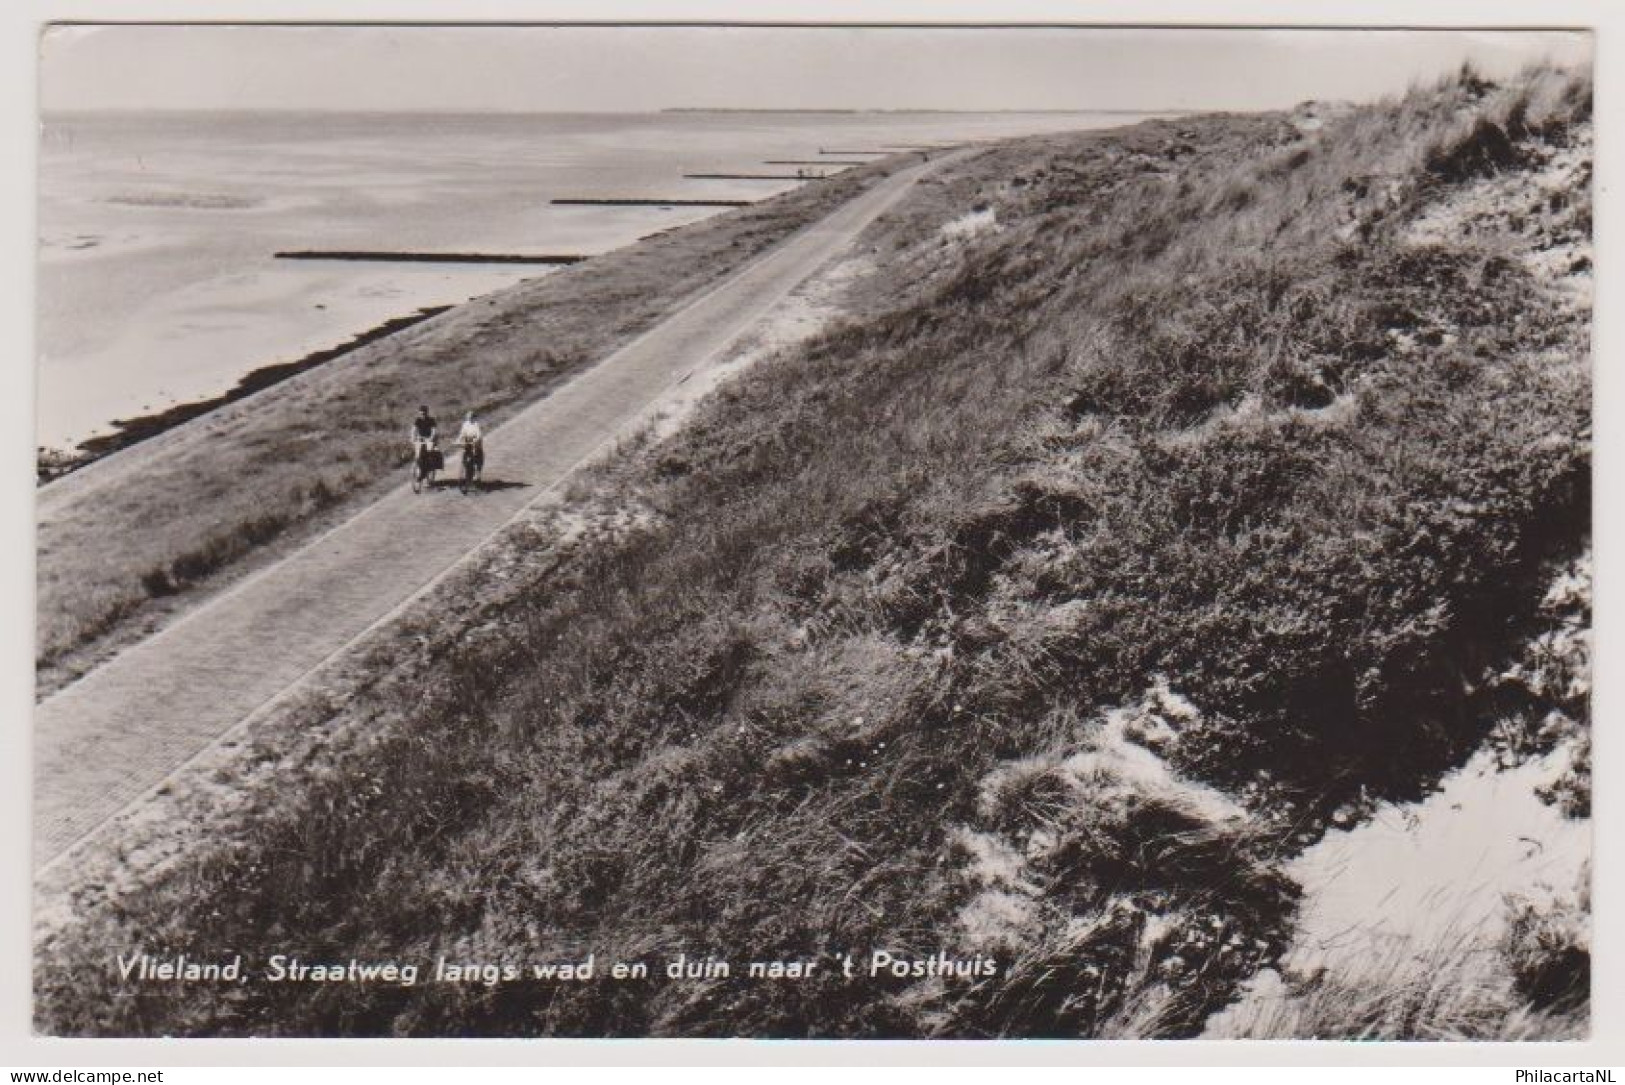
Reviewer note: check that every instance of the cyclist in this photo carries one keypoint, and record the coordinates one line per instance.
(425, 431)
(471, 438)
(426, 459)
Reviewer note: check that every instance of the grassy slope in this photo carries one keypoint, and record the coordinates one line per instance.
(1196, 448)
(263, 474)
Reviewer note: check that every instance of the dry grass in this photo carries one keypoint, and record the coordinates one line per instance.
(1443, 994)
(1169, 426)
(1532, 983)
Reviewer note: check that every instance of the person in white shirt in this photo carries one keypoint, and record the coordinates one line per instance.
(471, 439)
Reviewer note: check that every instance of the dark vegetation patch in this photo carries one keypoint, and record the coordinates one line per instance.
(1549, 946)
(1165, 425)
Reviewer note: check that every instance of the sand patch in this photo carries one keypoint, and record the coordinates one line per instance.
(970, 224)
(1440, 870)
(1119, 766)
(808, 309)
(1420, 896)
(1548, 208)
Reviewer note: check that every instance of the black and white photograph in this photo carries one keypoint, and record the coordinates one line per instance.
(827, 532)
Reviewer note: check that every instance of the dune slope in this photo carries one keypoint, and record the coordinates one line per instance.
(1170, 494)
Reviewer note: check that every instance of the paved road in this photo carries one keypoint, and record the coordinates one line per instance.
(115, 734)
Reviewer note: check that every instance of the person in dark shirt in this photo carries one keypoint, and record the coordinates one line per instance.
(424, 428)
(425, 449)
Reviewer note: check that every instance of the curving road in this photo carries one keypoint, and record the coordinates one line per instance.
(113, 736)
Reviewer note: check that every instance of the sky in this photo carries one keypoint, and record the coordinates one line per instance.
(634, 69)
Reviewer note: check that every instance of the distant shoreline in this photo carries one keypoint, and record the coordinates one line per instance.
(384, 257)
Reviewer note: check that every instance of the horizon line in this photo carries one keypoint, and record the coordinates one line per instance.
(45, 110)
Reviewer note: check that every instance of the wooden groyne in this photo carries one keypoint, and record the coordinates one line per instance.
(742, 177)
(809, 162)
(430, 257)
(585, 202)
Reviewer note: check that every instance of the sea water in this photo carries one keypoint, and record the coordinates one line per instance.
(158, 282)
